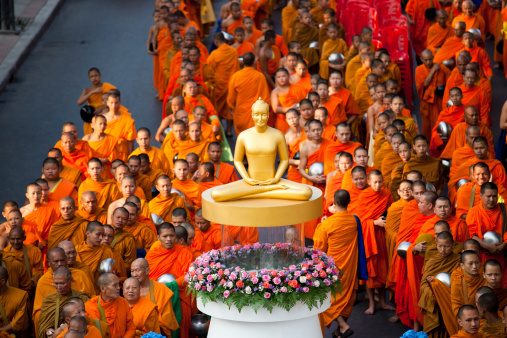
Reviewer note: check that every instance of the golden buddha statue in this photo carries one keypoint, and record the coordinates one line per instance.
(261, 144)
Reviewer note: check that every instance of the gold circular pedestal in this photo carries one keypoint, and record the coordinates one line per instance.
(261, 212)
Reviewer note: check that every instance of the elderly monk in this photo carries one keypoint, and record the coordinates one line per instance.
(70, 251)
(430, 80)
(31, 255)
(488, 216)
(106, 191)
(471, 19)
(70, 227)
(124, 242)
(443, 213)
(373, 223)
(157, 158)
(89, 210)
(393, 223)
(493, 277)
(469, 321)
(439, 32)
(245, 87)
(158, 294)
(431, 168)
(112, 308)
(49, 318)
(338, 237)
(145, 313)
(58, 187)
(465, 200)
(142, 181)
(76, 323)
(343, 134)
(143, 234)
(35, 212)
(174, 259)
(91, 251)
(80, 281)
(165, 202)
(445, 261)
(72, 157)
(224, 62)
(480, 147)
(120, 124)
(14, 303)
(224, 172)
(458, 137)
(72, 175)
(467, 278)
(452, 44)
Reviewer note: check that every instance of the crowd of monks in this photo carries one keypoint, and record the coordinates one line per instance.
(112, 213)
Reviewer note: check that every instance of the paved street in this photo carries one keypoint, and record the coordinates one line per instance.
(110, 35)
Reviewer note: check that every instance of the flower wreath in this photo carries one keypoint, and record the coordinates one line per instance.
(244, 284)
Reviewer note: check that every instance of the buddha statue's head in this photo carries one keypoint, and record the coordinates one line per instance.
(260, 112)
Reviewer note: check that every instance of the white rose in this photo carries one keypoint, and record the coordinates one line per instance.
(248, 290)
(316, 284)
(229, 285)
(302, 279)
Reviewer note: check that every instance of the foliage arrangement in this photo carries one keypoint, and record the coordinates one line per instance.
(232, 276)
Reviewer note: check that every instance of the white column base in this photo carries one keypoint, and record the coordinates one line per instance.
(298, 322)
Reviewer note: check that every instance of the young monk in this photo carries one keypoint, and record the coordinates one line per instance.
(189, 188)
(146, 169)
(343, 135)
(174, 259)
(72, 175)
(333, 44)
(405, 153)
(157, 157)
(92, 95)
(142, 181)
(359, 182)
(300, 77)
(430, 167)
(445, 261)
(166, 201)
(207, 179)
(284, 97)
(354, 63)
(439, 32)
(58, 187)
(343, 162)
(374, 233)
(386, 147)
(224, 172)
(269, 57)
(120, 124)
(322, 115)
(375, 108)
(212, 233)
(293, 137)
(398, 107)
(242, 46)
(493, 277)
(365, 66)
(334, 105)
(392, 159)
(469, 322)
(305, 34)
(143, 234)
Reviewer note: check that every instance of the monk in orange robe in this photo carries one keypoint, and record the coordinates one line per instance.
(337, 237)
(333, 44)
(469, 321)
(193, 99)
(480, 147)
(165, 202)
(212, 233)
(471, 19)
(245, 87)
(224, 172)
(70, 227)
(294, 136)
(15, 219)
(189, 188)
(386, 147)
(105, 190)
(474, 95)
(72, 157)
(392, 159)
(58, 187)
(373, 224)
(108, 239)
(163, 45)
(157, 158)
(419, 24)
(83, 145)
(242, 46)
(354, 63)
(467, 278)
(124, 241)
(334, 106)
(36, 212)
(93, 95)
(207, 179)
(224, 62)
(112, 308)
(430, 79)
(343, 162)
(142, 181)
(284, 97)
(72, 175)
(31, 255)
(120, 124)
(458, 137)
(477, 54)
(145, 313)
(88, 208)
(445, 261)
(451, 45)
(288, 14)
(343, 143)
(443, 213)
(146, 169)
(439, 32)
(493, 275)
(156, 293)
(336, 89)
(174, 259)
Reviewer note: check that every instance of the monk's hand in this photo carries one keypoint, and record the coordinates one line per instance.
(492, 248)
(430, 279)
(319, 179)
(381, 222)
(97, 90)
(49, 333)
(418, 248)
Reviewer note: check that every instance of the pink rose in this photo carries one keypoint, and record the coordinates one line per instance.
(209, 278)
(227, 293)
(255, 280)
(198, 286)
(277, 280)
(283, 289)
(244, 275)
(315, 274)
(227, 272)
(306, 289)
(281, 273)
(209, 288)
(233, 276)
(267, 295)
(297, 273)
(266, 278)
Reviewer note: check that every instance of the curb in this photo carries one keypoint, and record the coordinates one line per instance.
(27, 42)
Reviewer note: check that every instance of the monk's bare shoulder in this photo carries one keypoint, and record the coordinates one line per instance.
(25, 210)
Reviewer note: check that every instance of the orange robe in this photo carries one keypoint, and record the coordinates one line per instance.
(293, 96)
(465, 201)
(117, 314)
(393, 223)
(213, 236)
(95, 100)
(107, 191)
(389, 163)
(353, 65)
(334, 148)
(176, 262)
(336, 111)
(347, 177)
(256, 35)
(337, 236)
(99, 215)
(480, 56)
(110, 147)
(384, 150)
(208, 185)
(35, 268)
(162, 298)
(474, 21)
(458, 280)
(458, 227)
(431, 168)
(92, 256)
(244, 48)
(348, 100)
(242, 94)
(164, 44)
(164, 206)
(430, 102)
(224, 61)
(73, 230)
(122, 128)
(273, 63)
(437, 36)
(45, 216)
(475, 96)
(457, 139)
(124, 243)
(452, 115)
(463, 334)
(332, 186)
(419, 30)
(448, 49)
(145, 317)
(305, 34)
(374, 236)
(158, 160)
(72, 175)
(190, 189)
(63, 189)
(289, 13)
(330, 47)
(78, 160)
(293, 173)
(225, 173)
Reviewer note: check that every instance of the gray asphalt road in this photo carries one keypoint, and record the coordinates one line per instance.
(110, 35)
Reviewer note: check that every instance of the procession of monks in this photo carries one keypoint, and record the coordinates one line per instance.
(412, 213)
